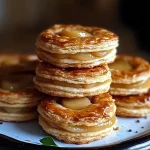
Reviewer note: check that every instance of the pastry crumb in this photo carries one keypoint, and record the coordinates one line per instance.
(116, 128)
(129, 130)
(137, 121)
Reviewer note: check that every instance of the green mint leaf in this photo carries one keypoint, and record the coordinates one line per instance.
(48, 141)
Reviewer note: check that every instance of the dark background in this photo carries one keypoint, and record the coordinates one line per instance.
(22, 20)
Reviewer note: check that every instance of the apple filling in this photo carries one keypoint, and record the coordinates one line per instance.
(82, 56)
(121, 65)
(16, 82)
(75, 103)
(65, 84)
(138, 85)
(74, 33)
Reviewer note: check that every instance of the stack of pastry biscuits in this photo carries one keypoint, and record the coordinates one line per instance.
(18, 97)
(131, 86)
(75, 75)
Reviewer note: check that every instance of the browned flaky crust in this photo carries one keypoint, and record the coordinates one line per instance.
(50, 39)
(101, 109)
(133, 113)
(30, 95)
(13, 65)
(133, 106)
(18, 117)
(126, 92)
(140, 71)
(133, 101)
(76, 138)
(74, 75)
(45, 68)
(57, 92)
(74, 78)
(24, 63)
(44, 56)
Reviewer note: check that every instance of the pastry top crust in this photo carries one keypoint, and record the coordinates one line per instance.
(50, 69)
(71, 75)
(26, 96)
(10, 63)
(101, 109)
(140, 70)
(18, 88)
(51, 39)
(135, 100)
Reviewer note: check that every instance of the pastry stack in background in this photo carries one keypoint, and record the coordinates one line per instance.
(131, 86)
(75, 75)
(18, 97)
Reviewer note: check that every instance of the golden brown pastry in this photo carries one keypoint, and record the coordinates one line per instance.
(18, 97)
(79, 60)
(130, 76)
(72, 82)
(78, 120)
(76, 46)
(10, 63)
(133, 106)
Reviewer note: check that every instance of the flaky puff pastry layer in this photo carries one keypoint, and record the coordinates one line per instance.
(12, 63)
(72, 82)
(133, 106)
(128, 69)
(20, 105)
(130, 89)
(52, 41)
(18, 97)
(78, 126)
(74, 75)
(79, 60)
(130, 76)
(76, 138)
(18, 115)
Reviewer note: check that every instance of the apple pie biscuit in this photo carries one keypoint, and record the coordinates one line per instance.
(130, 76)
(77, 46)
(78, 120)
(72, 82)
(133, 106)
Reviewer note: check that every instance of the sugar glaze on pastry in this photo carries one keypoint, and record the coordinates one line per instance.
(130, 76)
(133, 106)
(85, 120)
(76, 46)
(72, 82)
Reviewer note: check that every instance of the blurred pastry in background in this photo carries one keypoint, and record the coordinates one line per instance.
(18, 97)
(12, 62)
(130, 76)
(131, 86)
(133, 105)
